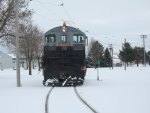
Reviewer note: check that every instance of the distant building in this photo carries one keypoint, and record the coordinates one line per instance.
(116, 60)
(6, 61)
(21, 63)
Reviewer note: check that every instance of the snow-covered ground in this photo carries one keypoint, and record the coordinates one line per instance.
(119, 91)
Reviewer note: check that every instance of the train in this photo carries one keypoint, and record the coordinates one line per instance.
(64, 58)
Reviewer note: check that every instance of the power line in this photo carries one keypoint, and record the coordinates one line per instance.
(46, 17)
(111, 52)
(69, 19)
(60, 18)
(48, 9)
(49, 3)
(61, 1)
(66, 12)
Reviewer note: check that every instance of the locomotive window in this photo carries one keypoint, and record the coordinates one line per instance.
(86, 41)
(78, 39)
(51, 39)
(64, 39)
(75, 39)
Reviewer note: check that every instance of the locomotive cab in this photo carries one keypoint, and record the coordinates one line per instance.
(64, 56)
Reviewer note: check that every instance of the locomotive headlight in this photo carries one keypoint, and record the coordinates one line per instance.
(64, 28)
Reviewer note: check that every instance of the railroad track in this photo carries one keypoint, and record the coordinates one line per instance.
(77, 94)
(84, 102)
(46, 102)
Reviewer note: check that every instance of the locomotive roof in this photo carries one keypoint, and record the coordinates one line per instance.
(68, 29)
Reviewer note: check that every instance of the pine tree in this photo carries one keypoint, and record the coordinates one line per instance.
(127, 54)
(138, 54)
(148, 54)
(107, 58)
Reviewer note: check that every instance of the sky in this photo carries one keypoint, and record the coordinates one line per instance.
(109, 21)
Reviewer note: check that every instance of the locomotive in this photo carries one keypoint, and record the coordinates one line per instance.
(64, 56)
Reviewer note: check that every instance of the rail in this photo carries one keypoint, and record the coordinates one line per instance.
(84, 102)
(46, 102)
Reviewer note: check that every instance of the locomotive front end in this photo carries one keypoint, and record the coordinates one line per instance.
(64, 57)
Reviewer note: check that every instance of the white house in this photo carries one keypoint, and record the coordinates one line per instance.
(116, 60)
(6, 61)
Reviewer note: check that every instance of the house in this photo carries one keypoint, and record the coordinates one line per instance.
(5, 61)
(116, 60)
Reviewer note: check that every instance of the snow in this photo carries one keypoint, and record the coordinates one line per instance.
(119, 91)
(64, 100)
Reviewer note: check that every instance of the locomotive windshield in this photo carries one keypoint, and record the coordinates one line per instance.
(64, 39)
(50, 39)
(78, 39)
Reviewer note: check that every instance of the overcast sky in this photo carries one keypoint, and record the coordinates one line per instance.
(109, 21)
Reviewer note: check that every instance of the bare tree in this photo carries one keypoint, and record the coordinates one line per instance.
(30, 36)
(31, 44)
(7, 16)
(95, 51)
(38, 45)
(26, 41)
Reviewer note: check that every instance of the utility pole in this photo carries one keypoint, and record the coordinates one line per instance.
(125, 65)
(144, 36)
(97, 73)
(0, 3)
(97, 63)
(111, 51)
(17, 44)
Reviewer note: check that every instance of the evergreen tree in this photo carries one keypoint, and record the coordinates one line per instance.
(89, 61)
(148, 54)
(127, 54)
(138, 54)
(107, 60)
